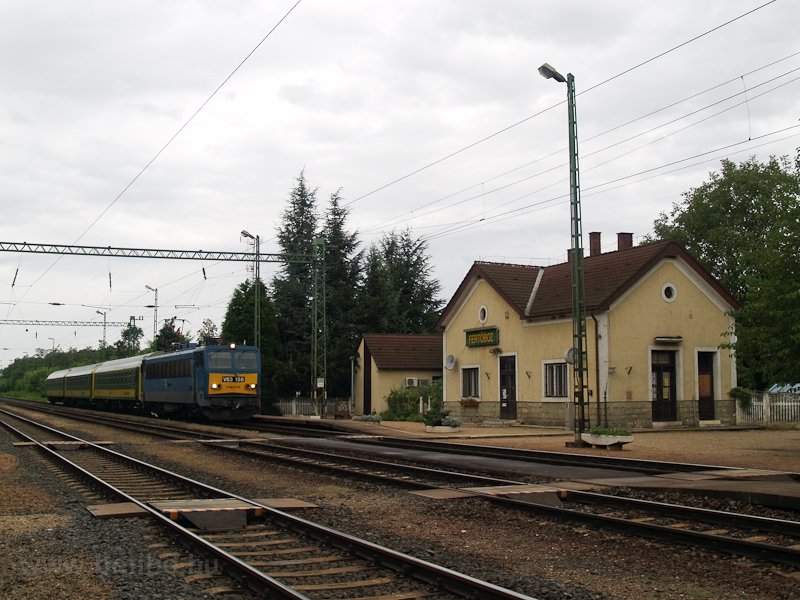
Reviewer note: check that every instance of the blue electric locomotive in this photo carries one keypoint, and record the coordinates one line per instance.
(215, 382)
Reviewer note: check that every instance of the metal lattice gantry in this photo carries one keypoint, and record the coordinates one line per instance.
(35, 323)
(317, 260)
(149, 253)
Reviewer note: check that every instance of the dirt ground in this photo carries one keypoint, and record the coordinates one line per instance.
(773, 449)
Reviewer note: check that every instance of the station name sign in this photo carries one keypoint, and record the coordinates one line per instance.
(483, 337)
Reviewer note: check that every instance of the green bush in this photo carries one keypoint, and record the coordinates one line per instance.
(436, 415)
(743, 397)
(368, 418)
(599, 430)
(404, 402)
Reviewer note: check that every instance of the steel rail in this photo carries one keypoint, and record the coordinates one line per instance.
(442, 577)
(703, 515)
(261, 449)
(779, 554)
(90, 416)
(240, 569)
(542, 456)
(783, 555)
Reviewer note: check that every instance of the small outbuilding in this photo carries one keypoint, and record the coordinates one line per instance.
(390, 361)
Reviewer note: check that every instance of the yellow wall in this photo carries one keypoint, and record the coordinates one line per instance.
(533, 343)
(383, 382)
(619, 343)
(642, 314)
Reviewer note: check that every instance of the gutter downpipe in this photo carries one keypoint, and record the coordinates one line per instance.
(597, 365)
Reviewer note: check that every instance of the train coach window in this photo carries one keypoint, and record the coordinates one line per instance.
(246, 359)
(220, 359)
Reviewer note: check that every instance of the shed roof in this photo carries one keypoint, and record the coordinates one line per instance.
(403, 351)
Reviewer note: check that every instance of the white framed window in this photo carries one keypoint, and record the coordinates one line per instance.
(470, 382)
(483, 314)
(423, 383)
(556, 380)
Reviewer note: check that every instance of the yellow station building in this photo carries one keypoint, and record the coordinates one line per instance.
(656, 325)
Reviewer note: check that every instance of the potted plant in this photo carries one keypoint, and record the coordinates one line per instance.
(439, 420)
(605, 437)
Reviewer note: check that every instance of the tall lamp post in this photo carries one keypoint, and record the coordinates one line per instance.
(256, 281)
(154, 306)
(577, 354)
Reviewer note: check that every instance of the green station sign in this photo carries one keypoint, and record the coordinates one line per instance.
(483, 337)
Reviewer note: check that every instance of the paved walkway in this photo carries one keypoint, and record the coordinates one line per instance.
(774, 449)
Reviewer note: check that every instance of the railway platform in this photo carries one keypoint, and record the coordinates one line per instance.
(767, 463)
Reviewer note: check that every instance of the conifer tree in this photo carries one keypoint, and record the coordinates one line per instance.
(400, 294)
(342, 280)
(292, 287)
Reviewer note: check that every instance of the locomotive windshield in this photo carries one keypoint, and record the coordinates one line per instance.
(220, 359)
(246, 360)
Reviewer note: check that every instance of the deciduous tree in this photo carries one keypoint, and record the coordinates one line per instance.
(743, 225)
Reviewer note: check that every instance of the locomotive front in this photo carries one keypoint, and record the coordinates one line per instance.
(229, 382)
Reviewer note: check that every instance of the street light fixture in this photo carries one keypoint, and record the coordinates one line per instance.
(256, 285)
(154, 306)
(579, 346)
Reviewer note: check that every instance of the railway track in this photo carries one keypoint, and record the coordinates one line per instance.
(271, 552)
(764, 538)
(155, 427)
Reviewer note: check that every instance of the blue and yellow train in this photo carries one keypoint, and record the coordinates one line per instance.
(220, 383)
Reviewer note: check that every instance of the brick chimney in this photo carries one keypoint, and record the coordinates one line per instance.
(594, 243)
(624, 241)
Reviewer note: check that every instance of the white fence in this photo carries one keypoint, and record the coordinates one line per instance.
(338, 407)
(766, 407)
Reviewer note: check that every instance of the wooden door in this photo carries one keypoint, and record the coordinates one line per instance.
(508, 387)
(662, 379)
(705, 386)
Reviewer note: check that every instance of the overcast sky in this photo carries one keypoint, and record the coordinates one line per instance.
(385, 100)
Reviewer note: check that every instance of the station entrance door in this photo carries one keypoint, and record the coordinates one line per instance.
(508, 387)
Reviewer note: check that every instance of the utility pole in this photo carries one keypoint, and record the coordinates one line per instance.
(154, 306)
(319, 334)
(100, 312)
(256, 288)
(577, 354)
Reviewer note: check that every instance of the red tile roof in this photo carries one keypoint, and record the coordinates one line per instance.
(397, 351)
(606, 276)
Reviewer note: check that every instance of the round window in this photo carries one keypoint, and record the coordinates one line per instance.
(483, 314)
(669, 293)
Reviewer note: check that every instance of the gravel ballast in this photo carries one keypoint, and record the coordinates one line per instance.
(541, 557)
